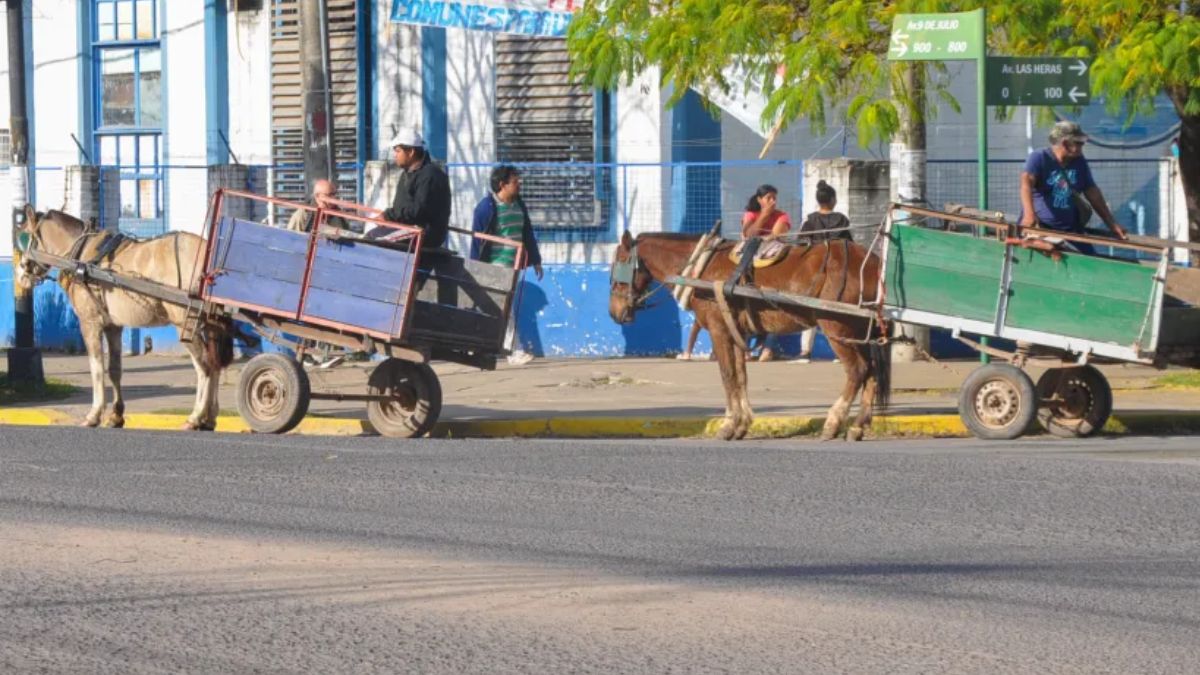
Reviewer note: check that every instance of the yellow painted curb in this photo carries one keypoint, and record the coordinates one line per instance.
(33, 417)
(912, 426)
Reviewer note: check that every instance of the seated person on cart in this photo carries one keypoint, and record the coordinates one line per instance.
(1054, 184)
(422, 196)
(302, 219)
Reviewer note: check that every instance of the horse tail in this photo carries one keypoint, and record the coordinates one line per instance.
(218, 345)
(881, 370)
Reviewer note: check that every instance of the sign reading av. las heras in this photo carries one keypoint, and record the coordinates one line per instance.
(1017, 80)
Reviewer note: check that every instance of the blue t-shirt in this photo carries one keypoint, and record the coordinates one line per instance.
(1053, 184)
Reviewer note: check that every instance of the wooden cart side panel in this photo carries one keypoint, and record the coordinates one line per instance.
(359, 286)
(943, 272)
(1098, 299)
(258, 265)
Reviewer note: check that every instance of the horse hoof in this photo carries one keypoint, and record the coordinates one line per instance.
(726, 432)
(89, 422)
(115, 422)
(189, 426)
(854, 434)
(740, 432)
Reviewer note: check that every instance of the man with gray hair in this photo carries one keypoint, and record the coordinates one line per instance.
(1057, 181)
(323, 190)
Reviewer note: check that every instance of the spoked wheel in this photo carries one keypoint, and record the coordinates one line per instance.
(416, 399)
(997, 402)
(1075, 402)
(273, 393)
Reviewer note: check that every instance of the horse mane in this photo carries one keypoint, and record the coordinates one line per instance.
(669, 236)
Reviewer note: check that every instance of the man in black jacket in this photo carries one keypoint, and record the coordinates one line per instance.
(422, 196)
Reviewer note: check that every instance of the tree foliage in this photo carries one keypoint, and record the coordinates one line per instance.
(833, 52)
(809, 57)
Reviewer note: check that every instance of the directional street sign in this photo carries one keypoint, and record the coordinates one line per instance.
(936, 37)
(1038, 81)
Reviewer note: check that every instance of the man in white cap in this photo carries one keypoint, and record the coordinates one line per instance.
(423, 195)
(1055, 182)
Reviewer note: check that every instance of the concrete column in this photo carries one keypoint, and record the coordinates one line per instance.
(92, 193)
(240, 177)
(862, 189)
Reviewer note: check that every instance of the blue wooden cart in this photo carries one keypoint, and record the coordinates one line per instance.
(334, 290)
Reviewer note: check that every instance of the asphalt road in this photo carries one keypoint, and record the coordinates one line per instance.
(167, 552)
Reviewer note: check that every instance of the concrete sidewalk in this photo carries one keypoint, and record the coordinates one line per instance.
(606, 397)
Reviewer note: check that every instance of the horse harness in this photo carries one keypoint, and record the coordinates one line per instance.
(744, 273)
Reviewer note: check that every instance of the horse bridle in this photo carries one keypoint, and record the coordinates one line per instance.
(27, 241)
(624, 272)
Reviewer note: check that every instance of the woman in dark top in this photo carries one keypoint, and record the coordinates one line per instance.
(825, 218)
(829, 225)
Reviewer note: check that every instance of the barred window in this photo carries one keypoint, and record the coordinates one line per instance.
(5, 148)
(546, 124)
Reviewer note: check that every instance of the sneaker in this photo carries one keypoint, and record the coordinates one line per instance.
(519, 358)
(801, 359)
(683, 357)
(767, 354)
(332, 362)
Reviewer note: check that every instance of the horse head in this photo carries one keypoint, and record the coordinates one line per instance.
(53, 232)
(629, 282)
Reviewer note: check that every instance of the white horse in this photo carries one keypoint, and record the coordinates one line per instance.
(171, 260)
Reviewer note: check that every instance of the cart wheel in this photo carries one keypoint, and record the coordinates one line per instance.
(1080, 401)
(997, 402)
(273, 393)
(418, 401)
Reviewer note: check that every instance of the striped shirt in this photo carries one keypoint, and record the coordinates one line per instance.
(510, 221)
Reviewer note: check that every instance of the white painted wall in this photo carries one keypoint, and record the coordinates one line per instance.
(249, 36)
(644, 137)
(397, 80)
(54, 104)
(470, 122)
(186, 125)
(5, 194)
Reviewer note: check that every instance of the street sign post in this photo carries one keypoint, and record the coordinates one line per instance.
(959, 36)
(937, 37)
(1038, 81)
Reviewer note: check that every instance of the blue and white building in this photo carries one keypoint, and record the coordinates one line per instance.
(161, 90)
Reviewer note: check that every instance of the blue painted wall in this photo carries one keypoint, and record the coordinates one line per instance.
(433, 90)
(695, 190)
(216, 79)
(564, 315)
(55, 325)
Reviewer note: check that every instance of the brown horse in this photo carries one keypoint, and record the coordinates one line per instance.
(837, 271)
(171, 260)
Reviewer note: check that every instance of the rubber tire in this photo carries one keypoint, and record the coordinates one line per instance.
(288, 376)
(1016, 382)
(1089, 382)
(390, 418)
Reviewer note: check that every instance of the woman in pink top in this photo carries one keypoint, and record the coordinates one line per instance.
(762, 217)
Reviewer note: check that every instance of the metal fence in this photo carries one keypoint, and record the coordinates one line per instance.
(594, 203)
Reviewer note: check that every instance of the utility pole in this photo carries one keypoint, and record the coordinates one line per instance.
(315, 93)
(24, 359)
(908, 182)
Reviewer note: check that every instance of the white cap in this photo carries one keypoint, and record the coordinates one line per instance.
(409, 138)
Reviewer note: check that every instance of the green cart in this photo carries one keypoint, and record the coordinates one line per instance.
(976, 275)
